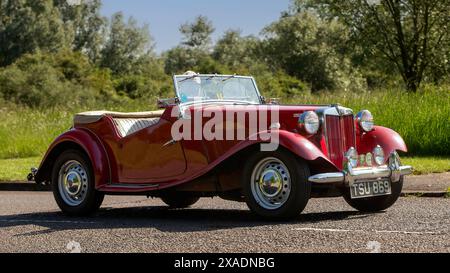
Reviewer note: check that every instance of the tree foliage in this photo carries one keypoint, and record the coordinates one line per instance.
(85, 25)
(311, 49)
(125, 45)
(59, 52)
(45, 80)
(235, 51)
(412, 35)
(198, 33)
(27, 26)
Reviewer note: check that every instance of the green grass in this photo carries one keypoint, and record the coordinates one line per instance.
(422, 119)
(18, 169)
(426, 165)
(26, 132)
(14, 170)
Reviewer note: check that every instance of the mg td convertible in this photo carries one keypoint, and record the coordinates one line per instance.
(317, 151)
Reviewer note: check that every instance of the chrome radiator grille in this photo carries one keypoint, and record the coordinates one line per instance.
(340, 135)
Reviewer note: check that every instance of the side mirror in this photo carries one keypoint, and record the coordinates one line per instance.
(164, 103)
(274, 101)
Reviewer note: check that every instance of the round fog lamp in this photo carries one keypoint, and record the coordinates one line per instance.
(352, 157)
(369, 162)
(378, 155)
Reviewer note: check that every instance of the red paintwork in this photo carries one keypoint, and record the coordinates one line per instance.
(91, 144)
(141, 163)
(388, 139)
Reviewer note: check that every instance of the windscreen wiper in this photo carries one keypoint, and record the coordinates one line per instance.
(190, 77)
(212, 77)
(229, 78)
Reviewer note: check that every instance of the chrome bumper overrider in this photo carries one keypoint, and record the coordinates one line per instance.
(393, 171)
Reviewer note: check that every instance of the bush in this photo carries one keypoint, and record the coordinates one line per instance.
(47, 80)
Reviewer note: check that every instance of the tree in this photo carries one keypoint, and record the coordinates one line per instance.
(27, 26)
(125, 45)
(309, 49)
(84, 21)
(198, 33)
(234, 50)
(193, 52)
(412, 35)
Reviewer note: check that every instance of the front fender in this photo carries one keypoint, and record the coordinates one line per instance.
(296, 143)
(301, 146)
(388, 139)
(79, 139)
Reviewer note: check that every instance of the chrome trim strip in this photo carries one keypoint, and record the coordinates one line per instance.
(133, 186)
(326, 178)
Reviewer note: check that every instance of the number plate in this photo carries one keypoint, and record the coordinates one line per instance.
(370, 189)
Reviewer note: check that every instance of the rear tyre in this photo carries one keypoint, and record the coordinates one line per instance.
(376, 204)
(73, 184)
(276, 185)
(179, 201)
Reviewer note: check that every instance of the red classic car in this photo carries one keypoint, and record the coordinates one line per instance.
(220, 137)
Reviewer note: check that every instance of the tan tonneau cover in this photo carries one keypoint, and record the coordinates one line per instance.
(94, 116)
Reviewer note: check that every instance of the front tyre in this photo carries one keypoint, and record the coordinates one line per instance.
(276, 185)
(378, 203)
(73, 184)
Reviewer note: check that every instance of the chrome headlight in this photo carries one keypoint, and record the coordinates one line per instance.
(378, 155)
(310, 122)
(365, 120)
(352, 157)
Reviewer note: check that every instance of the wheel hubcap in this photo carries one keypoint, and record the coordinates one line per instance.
(73, 183)
(271, 183)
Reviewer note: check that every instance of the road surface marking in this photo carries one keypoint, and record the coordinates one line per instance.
(44, 221)
(375, 231)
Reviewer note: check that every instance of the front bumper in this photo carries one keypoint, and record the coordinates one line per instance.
(392, 171)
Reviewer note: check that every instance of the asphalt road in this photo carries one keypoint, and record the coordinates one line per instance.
(31, 222)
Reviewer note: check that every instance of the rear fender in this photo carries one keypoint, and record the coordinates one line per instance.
(82, 140)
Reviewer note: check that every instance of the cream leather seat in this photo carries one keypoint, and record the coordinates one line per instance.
(128, 126)
(126, 123)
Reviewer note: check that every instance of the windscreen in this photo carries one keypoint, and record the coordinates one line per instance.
(210, 88)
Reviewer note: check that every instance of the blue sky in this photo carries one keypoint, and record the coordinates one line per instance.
(165, 16)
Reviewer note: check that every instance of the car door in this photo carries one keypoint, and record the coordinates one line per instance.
(150, 156)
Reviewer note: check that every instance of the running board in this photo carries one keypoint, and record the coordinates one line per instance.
(128, 188)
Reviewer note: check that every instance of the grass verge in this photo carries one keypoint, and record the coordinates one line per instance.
(14, 170)
(421, 118)
(427, 165)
